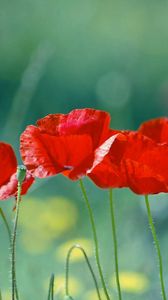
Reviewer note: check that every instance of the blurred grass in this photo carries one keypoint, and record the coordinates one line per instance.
(60, 55)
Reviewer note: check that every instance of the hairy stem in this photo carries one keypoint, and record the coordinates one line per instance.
(156, 242)
(114, 236)
(9, 236)
(51, 288)
(6, 223)
(89, 266)
(94, 237)
(13, 245)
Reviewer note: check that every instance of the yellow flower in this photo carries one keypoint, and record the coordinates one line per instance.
(132, 282)
(43, 221)
(6, 295)
(75, 286)
(92, 295)
(76, 255)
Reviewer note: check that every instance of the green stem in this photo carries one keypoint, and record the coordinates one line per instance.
(8, 230)
(13, 244)
(94, 237)
(6, 223)
(156, 242)
(9, 236)
(51, 288)
(89, 266)
(115, 242)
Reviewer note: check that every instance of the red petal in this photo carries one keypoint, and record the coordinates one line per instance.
(156, 129)
(10, 188)
(8, 162)
(47, 155)
(79, 121)
(143, 179)
(147, 172)
(93, 160)
(65, 143)
(108, 174)
(102, 151)
(137, 163)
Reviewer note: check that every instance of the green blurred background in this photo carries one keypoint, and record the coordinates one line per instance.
(56, 56)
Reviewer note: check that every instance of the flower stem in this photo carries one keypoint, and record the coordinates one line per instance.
(6, 223)
(0, 295)
(115, 242)
(9, 236)
(21, 174)
(94, 237)
(51, 288)
(13, 243)
(156, 242)
(89, 266)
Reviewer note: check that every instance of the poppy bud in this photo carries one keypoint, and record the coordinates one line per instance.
(21, 173)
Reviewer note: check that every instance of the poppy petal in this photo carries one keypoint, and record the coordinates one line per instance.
(10, 188)
(102, 151)
(108, 173)
(136, 162)
(156, 129)
(67, 143)
(8, 162)
(145, 165)
(93, 159)
(47, 155)
(78, 121)
(143, 179)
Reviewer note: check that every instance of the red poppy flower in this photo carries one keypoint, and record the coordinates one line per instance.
(68, 144)
(134, 161)
(156, 129)
(8, 167)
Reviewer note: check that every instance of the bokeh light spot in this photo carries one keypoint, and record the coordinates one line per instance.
(76, 255)
(6, 295)
(113, 89)
(132, 282)
(75, 286)
(92, 295)
(44, 221)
